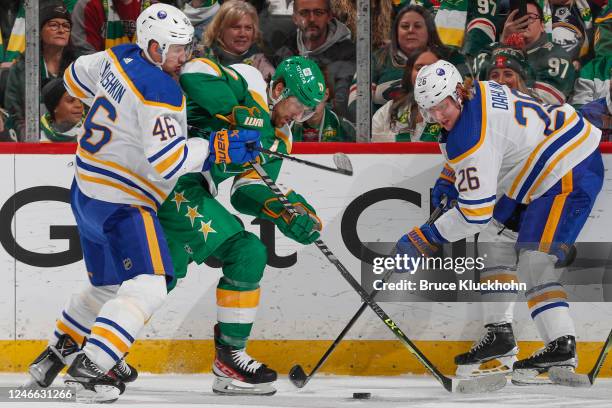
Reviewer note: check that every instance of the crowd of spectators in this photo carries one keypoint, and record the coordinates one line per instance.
(559, 51)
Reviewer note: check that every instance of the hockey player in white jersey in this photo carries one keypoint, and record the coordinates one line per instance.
(133, 150)
(515, 157)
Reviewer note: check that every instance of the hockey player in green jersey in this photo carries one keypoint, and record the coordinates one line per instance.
(197, 226)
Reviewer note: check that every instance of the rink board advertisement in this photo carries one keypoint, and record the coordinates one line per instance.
(305, 301)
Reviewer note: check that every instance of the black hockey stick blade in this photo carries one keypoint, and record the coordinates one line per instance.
(487, 383)
(343, 163)
(298, 376)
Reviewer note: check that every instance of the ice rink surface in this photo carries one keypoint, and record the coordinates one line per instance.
(181, 391)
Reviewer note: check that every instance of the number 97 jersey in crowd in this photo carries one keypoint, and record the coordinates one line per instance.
(508, 148)
(134, 145)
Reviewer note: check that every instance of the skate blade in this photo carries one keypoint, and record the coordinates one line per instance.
(487, 383)
(101, 394)
(530, 377)
(31, 384)
(567, 377)
(499, 365)
(230, 386)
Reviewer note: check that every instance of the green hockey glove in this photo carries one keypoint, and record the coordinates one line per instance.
(243, 117)
(303, 227)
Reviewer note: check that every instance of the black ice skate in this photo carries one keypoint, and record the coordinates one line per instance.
(124, 372)
(92, 385)
(237, 373)
(560, 352)
(498, 343)
(52, 360)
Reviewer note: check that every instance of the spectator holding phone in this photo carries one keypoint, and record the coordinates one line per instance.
(554, 71)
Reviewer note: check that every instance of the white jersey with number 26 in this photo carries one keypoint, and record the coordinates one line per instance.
(506, 142)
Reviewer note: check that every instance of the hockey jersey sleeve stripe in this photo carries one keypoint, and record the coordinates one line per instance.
(170, 160)
(478, 201)
(105, 172)
(90, 158)
(556, 153)
(179, 165)
(70, 84)
(477, 212)
(285, 138)
(260, 100)
(474, 221)
(136, 91)
(78, 81)
(500, 277)
(166, 149)
(534, 154)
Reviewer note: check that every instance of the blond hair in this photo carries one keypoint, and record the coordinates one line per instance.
(229, 13)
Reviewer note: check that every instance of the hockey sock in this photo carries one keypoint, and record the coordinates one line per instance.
(498, 305)
(121, 319)
(244, 258)
(80, 312)
(550, 311)
(546, 297)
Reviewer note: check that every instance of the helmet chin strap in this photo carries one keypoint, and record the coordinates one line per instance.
(151, 60)
(273, 101)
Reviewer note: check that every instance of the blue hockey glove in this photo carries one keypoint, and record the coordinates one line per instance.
(421, 241)
(445, 186)
(232, 146)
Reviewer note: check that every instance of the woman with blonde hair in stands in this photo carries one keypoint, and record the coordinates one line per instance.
(507, 65)
(233, 37)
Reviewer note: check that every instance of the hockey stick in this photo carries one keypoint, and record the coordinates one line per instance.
(480, 384)
(341, 160)
(297, 375)
(563, 376)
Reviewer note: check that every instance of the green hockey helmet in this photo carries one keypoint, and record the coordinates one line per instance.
(303, 79)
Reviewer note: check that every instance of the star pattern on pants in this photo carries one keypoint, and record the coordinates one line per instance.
(206, 228)
(179, 198)
(192, 214)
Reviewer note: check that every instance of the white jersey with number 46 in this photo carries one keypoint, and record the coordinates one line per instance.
(134, 145)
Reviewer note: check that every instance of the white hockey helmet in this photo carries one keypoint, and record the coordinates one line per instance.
(435, 82)
(164, 24)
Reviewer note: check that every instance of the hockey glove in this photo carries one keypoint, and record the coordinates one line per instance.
(243, 117)
(304, 227)
(424, 241)
(232, 146)
(445, 186)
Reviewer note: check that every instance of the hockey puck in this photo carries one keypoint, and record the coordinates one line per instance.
(362, 395)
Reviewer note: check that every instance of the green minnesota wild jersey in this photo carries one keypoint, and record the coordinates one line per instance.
(213, 93)
(331, 129)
